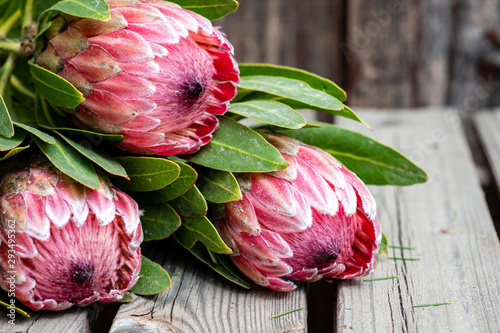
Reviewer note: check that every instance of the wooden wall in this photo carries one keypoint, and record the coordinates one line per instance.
(385, 53)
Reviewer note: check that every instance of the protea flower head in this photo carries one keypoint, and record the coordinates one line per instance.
(154, 72)
(313, 219)
(62, 244)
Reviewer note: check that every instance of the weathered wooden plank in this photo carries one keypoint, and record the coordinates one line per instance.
(78, 320)
(303, 34)
(382, 52)
(487, 124)
(202, 301)
(446, 220)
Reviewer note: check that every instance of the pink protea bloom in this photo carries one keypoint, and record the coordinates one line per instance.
(62, 244)
(313, 219)
(154, 72)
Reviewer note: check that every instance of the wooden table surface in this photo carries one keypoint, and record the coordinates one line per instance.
(446, 220)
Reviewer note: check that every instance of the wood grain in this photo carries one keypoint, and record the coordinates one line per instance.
(77, 320)
(202, 301)
(446, 220)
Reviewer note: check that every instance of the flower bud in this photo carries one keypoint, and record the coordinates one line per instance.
(315, 219)
(154, 72)
(62, 243)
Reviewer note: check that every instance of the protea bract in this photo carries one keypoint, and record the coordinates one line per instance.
(62, 244)
(313, 219)
(154, 72)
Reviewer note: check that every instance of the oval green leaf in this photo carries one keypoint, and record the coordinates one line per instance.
(213, 10)
(177, 188)
(36, 132)
(94, 9)
(6, 126)
(293, 89)
(221, 263)
(159, 221)
(373, 162)
(146, 173)
(70, 162)
(270, 112)
(101, 158)
(191, 203)
(13, 142)
(13, 152)
(203, 230)
(237, 148)
(54, 88)
(218, 186)
(313, 80)
(153, 279)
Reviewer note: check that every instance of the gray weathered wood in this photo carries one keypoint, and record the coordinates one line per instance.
(202, 301)
(446, 220)
(488, 124)
(77, 320)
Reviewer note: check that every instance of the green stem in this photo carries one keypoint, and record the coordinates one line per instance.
(28, 13)
(20, 87)
(5, 27)
(7, 69)
(10, 46)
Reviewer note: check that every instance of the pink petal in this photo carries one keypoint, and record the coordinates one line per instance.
(109, 107)
(127, 86)
(37, 222)
(240, 216)
(57, 210)
(124, 46)
(96, 64)
(91, 27)
(280, 284)
(101, 204)
(128, 210)
(156, 33)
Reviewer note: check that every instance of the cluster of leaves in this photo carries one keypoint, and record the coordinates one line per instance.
(174, 192)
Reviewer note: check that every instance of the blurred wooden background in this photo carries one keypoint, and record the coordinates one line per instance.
(384, 53)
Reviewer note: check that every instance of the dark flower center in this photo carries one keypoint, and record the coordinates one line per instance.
(82, 272)
(191, 93)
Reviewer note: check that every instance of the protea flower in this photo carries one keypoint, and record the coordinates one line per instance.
(313, 219)
(155, 73)
(63, 244)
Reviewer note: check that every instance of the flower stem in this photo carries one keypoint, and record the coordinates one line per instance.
(10, 46)
(6, 70)
(20, 87)
(28, 13)
(7, 25)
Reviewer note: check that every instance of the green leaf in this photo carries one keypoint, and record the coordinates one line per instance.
(179, 186)
(146, 173)
(127, 298)
(191, 203)
(203, 230)
(270, 112)
(70, 162)
(218, 186)
(212, 10)
(10, 143)
(159, 221)
(373, 162)
(223, 265)
(384, 244)
(95, 9)
(13, 152)
(54, 88)
(6, 127)
(292, 89)
(101, 158)
(313, 80)
(153, 279)
(236, 148)
(36, 132)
